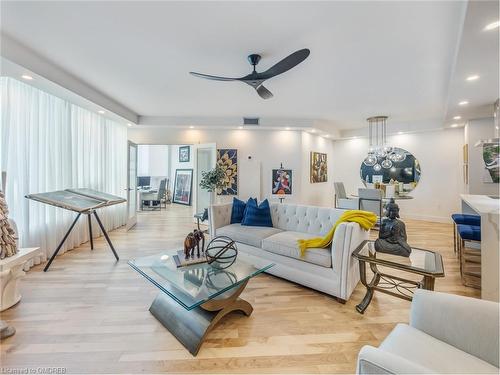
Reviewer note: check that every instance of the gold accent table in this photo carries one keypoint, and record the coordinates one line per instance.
(426, 263)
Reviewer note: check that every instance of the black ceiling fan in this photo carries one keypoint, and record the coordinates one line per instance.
(256, 79)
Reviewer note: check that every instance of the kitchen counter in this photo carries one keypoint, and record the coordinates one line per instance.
(489, 209)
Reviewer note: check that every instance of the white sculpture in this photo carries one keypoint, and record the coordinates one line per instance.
(8, 246)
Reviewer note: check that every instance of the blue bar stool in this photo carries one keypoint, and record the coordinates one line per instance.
(463, 219)
(470, 258)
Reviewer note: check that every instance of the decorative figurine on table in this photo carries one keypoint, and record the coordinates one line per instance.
(392, 235)
(192, 241)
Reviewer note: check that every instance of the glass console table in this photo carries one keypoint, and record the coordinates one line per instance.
(194, 298)
(426, 263)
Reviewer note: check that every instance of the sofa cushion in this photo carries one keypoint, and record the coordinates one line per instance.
(425, 350)
(285, 243)
(252, 236)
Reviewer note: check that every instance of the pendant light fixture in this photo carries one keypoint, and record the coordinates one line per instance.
(380, 154)
(377, 131)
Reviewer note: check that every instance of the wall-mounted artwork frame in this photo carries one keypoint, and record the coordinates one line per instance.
(282, 182)
(184, 154)
(491, 159)
(318, 167)
(183, 186)
(227, 159)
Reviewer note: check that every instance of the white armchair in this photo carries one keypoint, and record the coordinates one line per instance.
(447, 334)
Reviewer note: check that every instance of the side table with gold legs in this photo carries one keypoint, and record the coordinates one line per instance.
(426, 263)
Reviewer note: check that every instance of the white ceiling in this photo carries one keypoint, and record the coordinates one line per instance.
(367, 58)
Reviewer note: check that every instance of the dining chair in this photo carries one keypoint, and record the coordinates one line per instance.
(341, 200)
(371, 200)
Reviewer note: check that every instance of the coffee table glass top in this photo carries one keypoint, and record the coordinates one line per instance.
(192, 285)
(420, 260)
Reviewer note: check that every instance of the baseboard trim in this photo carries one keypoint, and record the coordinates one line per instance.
(437, 219)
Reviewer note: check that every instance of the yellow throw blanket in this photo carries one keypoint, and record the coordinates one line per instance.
(364, 218)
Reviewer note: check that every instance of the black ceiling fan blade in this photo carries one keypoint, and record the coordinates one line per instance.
(215, 78)
(286, 64)
(263, 92)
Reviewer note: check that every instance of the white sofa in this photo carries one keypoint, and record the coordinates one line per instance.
(448, 334)
(331, 270)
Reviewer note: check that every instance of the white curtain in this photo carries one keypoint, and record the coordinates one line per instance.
(48, 144)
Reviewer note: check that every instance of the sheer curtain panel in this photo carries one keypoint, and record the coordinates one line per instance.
(47, 144)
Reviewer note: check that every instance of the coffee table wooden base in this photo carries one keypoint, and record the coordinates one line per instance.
(190, 327)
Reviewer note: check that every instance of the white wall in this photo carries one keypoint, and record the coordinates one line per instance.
(437, 195)
(267, 150)
(152, 160)
(477, 130)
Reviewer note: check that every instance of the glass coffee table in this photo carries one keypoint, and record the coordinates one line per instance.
(194, 298)
(426, 263)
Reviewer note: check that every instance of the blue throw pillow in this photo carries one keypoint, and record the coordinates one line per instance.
(257, 216)
(237, 211)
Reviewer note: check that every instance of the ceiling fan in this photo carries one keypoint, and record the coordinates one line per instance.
(256, 79)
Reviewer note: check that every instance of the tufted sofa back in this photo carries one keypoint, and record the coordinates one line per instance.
(306, 219)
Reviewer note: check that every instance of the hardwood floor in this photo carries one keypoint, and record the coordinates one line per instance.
(89, 314)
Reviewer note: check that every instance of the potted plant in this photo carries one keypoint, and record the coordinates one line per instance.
(212, 180)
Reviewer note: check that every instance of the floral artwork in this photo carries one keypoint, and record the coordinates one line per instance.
(282, 181)
(319, 167)
(227, 159)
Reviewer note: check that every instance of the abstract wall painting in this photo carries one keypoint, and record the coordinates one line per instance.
(282, 181)
(491, 157)
(319, 167)
(183, 186)
(184, 154)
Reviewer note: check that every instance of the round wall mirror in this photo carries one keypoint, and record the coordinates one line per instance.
(396, 166)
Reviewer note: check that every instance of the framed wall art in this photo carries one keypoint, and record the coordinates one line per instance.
(227, 159)
(183, 186)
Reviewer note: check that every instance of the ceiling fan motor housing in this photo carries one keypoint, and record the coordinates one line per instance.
(254, 59)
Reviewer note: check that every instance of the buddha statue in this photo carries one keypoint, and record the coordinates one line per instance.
(392, 235)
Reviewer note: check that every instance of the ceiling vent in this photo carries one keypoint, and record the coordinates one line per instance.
(251, 121)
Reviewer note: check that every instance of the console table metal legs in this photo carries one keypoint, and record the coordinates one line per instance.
(91, 239)
(383, 282)
(190, 327)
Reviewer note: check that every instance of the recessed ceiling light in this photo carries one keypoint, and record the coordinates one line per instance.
(463, 102)
(492, 26)
(287, 128)
(129, 124)
(457, 117)
(191, 127)
(101, 112)
(400, 133)
(240, 127)
(472, 77)
(27, 77)
(454, 125)
(327, 135)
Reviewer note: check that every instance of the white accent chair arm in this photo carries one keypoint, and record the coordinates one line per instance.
(219, 215)
(377, 361)
(469, 324)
